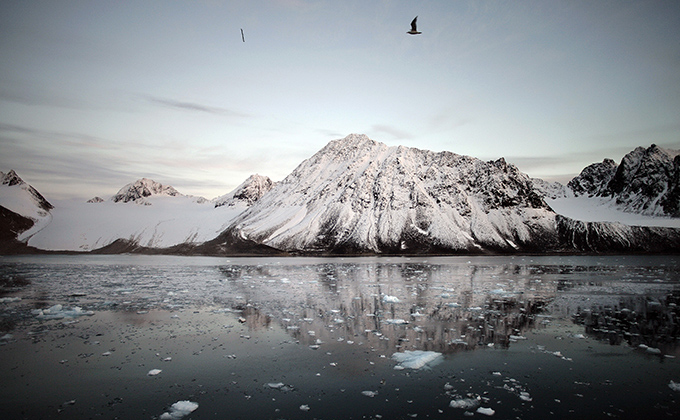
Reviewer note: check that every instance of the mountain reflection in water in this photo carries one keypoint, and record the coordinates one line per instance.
(444, 304)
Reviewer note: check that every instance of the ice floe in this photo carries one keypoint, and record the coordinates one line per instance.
(416, 359)
(464, 403)
(179, 410)
(486, 411)
(675, 386)
(60, 312)
(154, 372)
(390, 299)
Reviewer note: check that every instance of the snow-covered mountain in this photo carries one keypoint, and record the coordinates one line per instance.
(165, 218)
(643, 190)
(20, 199)
(140, 190)
(593, 179)
(358, 195)
(251, 190)
(647, 181)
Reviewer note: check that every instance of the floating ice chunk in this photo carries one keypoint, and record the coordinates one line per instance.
(304, 407)
(179, 410)
(276, 385)
(486, 411)
(653, 350)
(517, 337)
(675, 386)
(9, 299)
(416, 359)
(154, 372)
(390, 299)
(396, 321)
(579, 336)
(525, 396)
(59, 312)
(464, 403)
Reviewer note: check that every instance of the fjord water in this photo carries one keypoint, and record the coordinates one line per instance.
(525, 337)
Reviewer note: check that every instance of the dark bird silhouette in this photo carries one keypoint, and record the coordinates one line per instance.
(243, 36)
(414, 30)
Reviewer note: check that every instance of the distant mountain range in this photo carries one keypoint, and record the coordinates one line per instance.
(359, 196)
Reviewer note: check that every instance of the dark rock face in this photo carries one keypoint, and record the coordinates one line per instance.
(593, 179)
(606, 237)
(646, 181)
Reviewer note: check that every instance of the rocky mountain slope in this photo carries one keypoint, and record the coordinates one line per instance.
(24, 211)
(358, 195)
(647, 181)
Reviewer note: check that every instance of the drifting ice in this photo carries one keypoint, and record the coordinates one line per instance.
(179, 410)
(416, 359)
(59, 312)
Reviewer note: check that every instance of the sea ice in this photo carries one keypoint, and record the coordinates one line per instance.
(486, 411)
(369, 393)
(59, 312)
(675, 386)
(416, 359)
(390, 299)
(154, 372)
(464, 403)
(398, 321)
(304, 407)
(179, 410)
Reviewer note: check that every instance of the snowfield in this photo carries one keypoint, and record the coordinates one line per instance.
(168, 221)
(598, 209)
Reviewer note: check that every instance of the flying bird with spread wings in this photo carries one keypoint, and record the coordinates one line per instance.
(414, 30)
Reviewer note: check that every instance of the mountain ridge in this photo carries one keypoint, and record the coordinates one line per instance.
(360, 196)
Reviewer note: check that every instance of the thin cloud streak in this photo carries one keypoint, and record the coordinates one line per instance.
(194, 107)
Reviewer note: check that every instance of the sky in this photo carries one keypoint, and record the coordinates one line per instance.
(97, 94)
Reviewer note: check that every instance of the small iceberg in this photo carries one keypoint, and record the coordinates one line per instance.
(390, 299)
(464, 403)
(179, 410)
(416, 359)
(154, 372)
(675, 386)
(59, 312)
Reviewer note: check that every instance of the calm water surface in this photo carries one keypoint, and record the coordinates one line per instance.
(303, 338)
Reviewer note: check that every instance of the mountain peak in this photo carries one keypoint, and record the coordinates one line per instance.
(11, 178)
(141, 189)
(248, 192)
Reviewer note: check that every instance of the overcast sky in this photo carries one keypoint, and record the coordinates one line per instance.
(96, 94)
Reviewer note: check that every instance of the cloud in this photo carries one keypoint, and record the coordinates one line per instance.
(194, 107)
(392, 131)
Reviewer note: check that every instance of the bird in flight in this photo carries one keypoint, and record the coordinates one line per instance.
(243, 36)
(414, 30)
